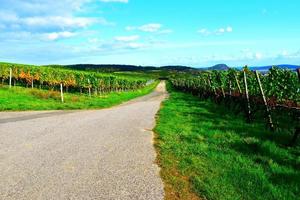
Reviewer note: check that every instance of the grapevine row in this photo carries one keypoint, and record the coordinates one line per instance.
(280, 85)
(276, 93)
(51, 78)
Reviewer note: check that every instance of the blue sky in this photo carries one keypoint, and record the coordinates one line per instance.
(157, 32)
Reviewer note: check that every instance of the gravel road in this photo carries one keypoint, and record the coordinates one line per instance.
(98, 154)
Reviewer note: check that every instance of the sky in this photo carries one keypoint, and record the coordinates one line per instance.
(198, 33)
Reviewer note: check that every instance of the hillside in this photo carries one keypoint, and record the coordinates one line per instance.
(221, 67)
(110, 68)
(177, 68)
(266, 68)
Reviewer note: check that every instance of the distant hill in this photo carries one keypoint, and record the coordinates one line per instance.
(266, 68)
(122, 68)
(221, 67)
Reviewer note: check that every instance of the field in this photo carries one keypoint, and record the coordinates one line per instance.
(206, 150)
(18, 98)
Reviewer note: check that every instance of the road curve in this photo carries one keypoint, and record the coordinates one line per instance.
(98, 154)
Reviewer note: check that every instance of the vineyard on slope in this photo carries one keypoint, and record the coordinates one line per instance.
(274, 96)
(72, 80)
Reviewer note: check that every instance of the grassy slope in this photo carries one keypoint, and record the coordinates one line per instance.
(206, 149)
(27, 99)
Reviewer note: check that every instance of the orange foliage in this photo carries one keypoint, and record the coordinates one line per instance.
(26, 76)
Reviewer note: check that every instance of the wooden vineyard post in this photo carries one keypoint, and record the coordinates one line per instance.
(10, 77)
(247, 98)
(222, 89)
(96, 88)
(204, 90)
(89, 88)
(210, 85)
(205, 82)
(61, 93)
(270, 121)
(223, 92)
(230, 88)
(238, 84)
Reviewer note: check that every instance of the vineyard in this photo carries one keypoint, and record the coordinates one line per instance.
(274, 96)
(71, 80)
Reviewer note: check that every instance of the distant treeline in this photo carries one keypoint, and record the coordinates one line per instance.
(114, 68)
(110, 68)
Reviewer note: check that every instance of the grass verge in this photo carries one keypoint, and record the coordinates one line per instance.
(20, 99)
(207, 152)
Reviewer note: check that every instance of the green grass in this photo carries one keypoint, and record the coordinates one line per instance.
(18, 98)
(205, 149)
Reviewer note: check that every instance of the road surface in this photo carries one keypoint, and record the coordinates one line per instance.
(98, 154)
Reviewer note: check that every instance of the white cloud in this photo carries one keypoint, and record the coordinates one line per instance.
(43, 17)
(219, 31)
(134, 45)
(289, 55)
(50, 21)
(166, 31)
(7, 16)
(59, 35)
(94, 40)
(118, 46)
(152, 27)
(59, 21)
(42, 7)
(114, 1)
(284, 53)
(258, 56)
(229, 29)
(251, 55)
(127, 38)
(204, 31)
(130, 28)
